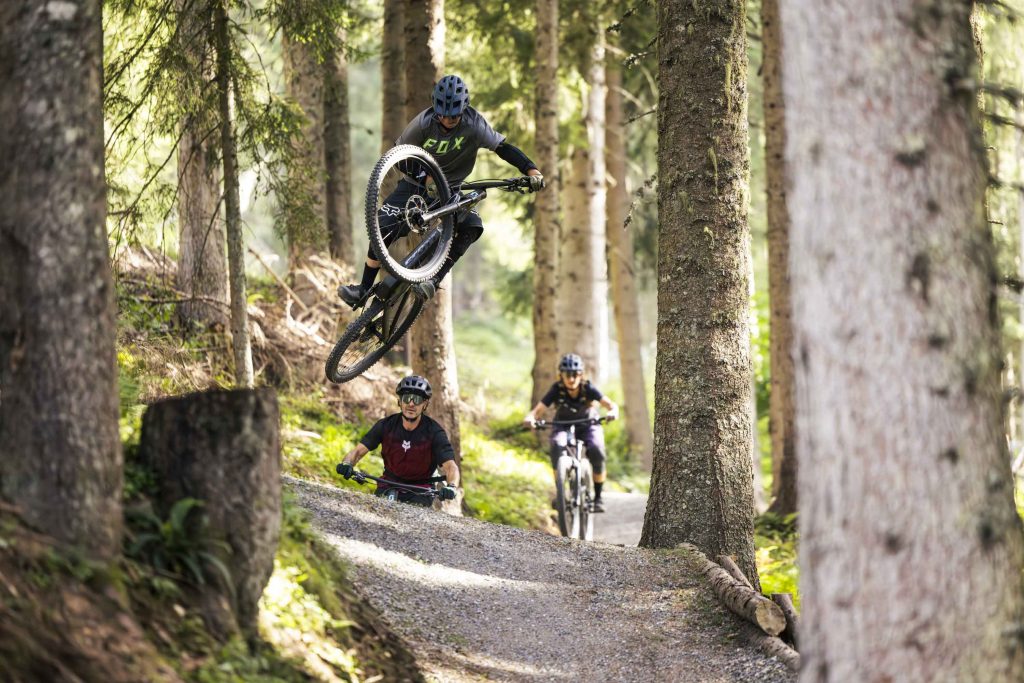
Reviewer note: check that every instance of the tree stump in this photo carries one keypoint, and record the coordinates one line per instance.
(223, 448)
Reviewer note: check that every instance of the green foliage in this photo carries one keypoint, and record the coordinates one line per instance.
(314, 440)
(180, 547)
(495, 355)
(776, 539)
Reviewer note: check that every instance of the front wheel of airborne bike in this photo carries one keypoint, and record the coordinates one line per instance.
(372, 334)
(385, 221)
(565, 496)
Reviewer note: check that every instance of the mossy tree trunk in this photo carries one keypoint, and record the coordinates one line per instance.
(547, 208)
(338, 157)
(61, 461)
(781, 410)
(621, 271)
(911, 550)
(240, 343)
(701, 486)
(392, 72)
(202, 259)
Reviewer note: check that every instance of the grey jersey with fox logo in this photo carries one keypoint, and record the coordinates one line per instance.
(455, 150)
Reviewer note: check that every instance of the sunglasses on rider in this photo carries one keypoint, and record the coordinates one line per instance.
(571, 373)
(415, 399)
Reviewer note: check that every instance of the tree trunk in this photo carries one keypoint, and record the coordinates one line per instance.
(781, 407)
(597, 196)
(305, 214)
(392, 69)
(61, 462)
(623, 282)
(240, 344)
(576, 327)
(202, 262)
(911, 550)
(338, 158)
(222, 448)
(432, 338)
(547, 208)
(701, 487)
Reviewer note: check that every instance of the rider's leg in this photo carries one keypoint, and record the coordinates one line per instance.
(392, 229)
(467, 231)
(593, 438)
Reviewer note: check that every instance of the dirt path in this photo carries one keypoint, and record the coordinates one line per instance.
(478, 601)
(623, 518)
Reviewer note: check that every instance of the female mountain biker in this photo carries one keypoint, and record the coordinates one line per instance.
(575, 397)
(453, 132)
(412, 445)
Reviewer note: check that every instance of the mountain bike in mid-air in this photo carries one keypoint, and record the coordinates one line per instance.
(427, 224)
(574, 482)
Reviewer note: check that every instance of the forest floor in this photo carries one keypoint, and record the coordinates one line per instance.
(477, 601)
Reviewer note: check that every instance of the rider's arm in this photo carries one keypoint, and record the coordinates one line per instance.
(517, 158)
(451, 472)
(610, 407)
(534, 414)
(356, 454)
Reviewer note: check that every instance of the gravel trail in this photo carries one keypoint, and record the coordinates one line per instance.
(477, 601)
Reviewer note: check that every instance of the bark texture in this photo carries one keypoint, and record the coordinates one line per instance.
(392, 68)
(547, 207)
(622, 278)
(222, 447)
(597, 197)
(240, 344)
(781, 410)
(202, 260)
(432, 338)
(701, 486)
(61, 454)
(338, 158)
(577, 330)
(305, 219)
(911, 550)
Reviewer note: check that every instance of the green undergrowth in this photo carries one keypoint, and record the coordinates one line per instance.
(776, 540)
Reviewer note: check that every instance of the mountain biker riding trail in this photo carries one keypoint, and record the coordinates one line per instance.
(453, 132)
(412, 446)
(575, 397)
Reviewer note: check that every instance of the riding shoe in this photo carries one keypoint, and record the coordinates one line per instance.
(597, 505)
(353, 295)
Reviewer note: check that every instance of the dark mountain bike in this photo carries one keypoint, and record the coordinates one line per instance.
(422, 494)
(574, 483)
(426, 225)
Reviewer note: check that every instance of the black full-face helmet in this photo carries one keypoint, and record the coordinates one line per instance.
(570, 363)
(414, 384)
(451, 96)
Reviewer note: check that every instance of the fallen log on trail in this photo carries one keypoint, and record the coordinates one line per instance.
(785, 601)
(729, 565)
(772, 646)
(740, 598)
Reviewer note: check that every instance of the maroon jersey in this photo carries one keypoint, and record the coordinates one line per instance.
(409, 457)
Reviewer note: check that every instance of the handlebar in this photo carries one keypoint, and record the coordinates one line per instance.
(522, 185)
(361, 477)
(543, 424)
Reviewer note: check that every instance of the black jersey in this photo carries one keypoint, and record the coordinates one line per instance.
(569, 408)
(455, 149)
(409, 457)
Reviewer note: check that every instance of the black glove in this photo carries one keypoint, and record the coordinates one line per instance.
(447, 493)
(536, 183)
(345, 470)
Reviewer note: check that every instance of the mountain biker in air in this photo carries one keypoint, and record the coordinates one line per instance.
(575, 397)
(412, 446)
(453, 132)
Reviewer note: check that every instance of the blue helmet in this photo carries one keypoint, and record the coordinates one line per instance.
(414, 384)
(451, 96)
(570, 363)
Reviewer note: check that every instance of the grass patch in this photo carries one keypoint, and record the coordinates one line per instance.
(776, 541)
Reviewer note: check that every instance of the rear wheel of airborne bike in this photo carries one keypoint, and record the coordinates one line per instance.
(384, 221)
(372, 334)
(565, 495)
